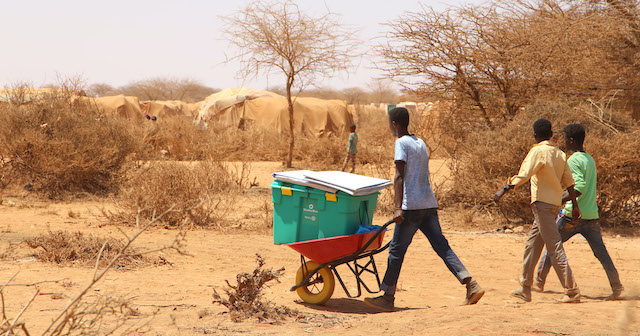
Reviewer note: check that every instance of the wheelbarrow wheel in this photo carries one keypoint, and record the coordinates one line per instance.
(321, 284)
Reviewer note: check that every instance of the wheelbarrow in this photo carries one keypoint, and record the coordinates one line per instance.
(315, 277)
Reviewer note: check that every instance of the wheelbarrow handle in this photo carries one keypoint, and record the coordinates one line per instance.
(375, 236)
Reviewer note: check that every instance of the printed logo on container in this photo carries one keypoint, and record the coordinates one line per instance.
(310, 214)
(310, 209)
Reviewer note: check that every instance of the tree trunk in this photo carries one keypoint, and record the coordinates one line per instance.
(475, 95)
(291, 123)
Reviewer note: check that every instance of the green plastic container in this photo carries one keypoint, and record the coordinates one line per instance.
(304, 213)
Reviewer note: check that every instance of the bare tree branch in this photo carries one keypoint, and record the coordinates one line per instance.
(278, 37)
(493, 59)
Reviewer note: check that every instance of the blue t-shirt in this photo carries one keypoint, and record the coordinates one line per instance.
(417, 189)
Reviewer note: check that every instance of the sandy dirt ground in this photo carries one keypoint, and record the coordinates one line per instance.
(176, 298)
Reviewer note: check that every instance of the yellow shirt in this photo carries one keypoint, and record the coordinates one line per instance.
(547, 167)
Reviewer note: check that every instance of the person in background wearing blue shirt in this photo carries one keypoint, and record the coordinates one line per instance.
(352, 149)
(415, 208)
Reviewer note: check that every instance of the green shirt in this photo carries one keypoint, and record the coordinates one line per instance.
(583, 169)
(353, 143)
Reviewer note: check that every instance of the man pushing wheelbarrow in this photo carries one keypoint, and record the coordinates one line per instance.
(415, 208)
(327, 216)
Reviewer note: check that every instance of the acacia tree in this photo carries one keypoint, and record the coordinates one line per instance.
(495, 58)
(279, 37)
(626, 50)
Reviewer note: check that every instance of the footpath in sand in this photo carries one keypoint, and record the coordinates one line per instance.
(428, 300)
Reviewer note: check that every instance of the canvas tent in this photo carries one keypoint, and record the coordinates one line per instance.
(166, 109)
(195, 108)
(124, 106)
(241, 106)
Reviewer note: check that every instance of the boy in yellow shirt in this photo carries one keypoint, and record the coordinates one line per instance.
(547, 167)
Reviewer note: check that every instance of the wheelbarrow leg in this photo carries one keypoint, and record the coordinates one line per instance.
(358, 270)
(374, 270)
(344, 287)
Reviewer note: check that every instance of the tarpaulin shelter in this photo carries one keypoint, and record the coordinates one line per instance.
(166, 109)
(124, 106)
(241, 106)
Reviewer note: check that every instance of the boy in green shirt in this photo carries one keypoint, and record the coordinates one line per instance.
(583, 169)
(352, 149)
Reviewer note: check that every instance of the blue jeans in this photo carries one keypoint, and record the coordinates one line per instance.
(590, 230)
(427, 221)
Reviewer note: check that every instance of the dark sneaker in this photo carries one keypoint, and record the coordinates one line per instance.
(474, 293)
(522, 293)
(615, 296)
(575, 298)
(381, 303)
(538, 287)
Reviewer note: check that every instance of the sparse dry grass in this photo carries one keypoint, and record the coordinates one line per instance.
(64, 247)
(101, 315)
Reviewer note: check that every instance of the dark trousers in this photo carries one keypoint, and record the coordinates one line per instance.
(427, 221)
(590, 230)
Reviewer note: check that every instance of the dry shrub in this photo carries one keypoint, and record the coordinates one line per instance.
(375, 142)
(64, 247)
(261, 144)
(157, 186)
(101, 315)
(186, 141)
(61, 145)
(245, 298)
(483, 159)
(255, 142)
(179, 137)
(320, 153)
(267, 213)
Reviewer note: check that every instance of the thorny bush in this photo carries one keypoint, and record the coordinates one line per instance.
(158, 185)
(62, 146)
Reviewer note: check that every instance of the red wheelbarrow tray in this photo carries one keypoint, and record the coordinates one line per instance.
(327, 249)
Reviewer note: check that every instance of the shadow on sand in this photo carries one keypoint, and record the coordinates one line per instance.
(351, 306)
(593, 298)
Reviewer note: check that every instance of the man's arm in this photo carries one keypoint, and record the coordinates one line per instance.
(566, 198)
(502, 191)
(398, 189)
(575, 213)
(529, 166)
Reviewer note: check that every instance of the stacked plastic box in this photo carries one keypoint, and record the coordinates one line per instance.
(305, 213)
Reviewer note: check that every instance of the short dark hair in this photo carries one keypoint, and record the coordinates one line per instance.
(575, 132)
(353, 126)
(542, 128)
(400, 115)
